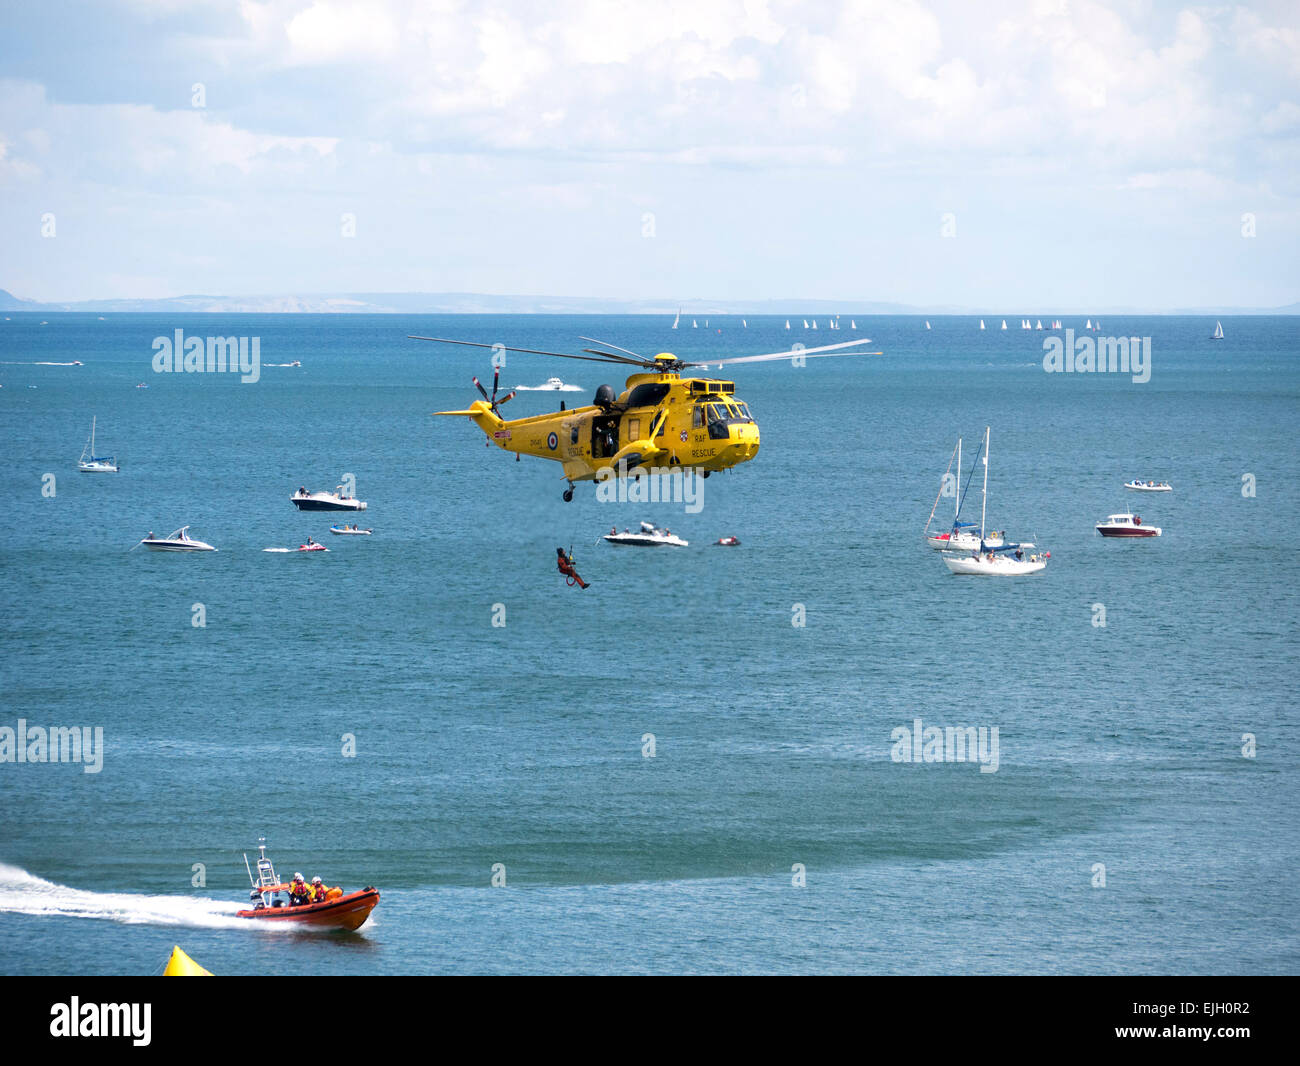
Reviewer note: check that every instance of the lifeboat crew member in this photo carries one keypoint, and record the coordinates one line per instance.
(318, 890)
(565, 565)
(299, 893)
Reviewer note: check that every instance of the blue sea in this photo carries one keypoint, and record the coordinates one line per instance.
(668, 775)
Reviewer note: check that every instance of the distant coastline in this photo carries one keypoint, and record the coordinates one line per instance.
(460, 303)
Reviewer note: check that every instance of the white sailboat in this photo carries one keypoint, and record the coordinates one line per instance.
(787, 323)
(1088, 324)
(995, 562)
(852, 324)
(814, 325)
(1040, 324)
(90, 463)
(744, 324)
(694, 324)
(960, 537)
(805, 323)
(1218, 332)
(678, 318)
(1004, 323)
(927, 323)
(981, 323)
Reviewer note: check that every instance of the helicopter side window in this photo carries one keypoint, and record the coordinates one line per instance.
(744, 412)
(698, 416)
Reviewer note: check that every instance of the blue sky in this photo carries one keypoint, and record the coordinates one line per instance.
(1081, 153)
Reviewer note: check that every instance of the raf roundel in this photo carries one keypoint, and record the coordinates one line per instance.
(552, 441)
(684, 436)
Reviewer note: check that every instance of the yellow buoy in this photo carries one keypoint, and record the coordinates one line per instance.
(181, 965)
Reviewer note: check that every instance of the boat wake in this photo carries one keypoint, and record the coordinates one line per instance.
(24, 893)
(548, 388)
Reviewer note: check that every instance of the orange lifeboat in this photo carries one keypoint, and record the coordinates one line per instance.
(339, 910)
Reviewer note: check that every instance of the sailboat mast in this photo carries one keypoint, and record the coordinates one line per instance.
(956, 507)
(92, 435)
(984, 503)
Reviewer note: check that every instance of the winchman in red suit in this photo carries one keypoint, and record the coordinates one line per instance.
(565, 564)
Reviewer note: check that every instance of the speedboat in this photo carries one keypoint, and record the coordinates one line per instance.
(1126, 525)
(1149, 486)
(269, 896)
(326, 501)
(180, 541)
(349, 531)
(728, 542)
(312, 546)
(648, 537)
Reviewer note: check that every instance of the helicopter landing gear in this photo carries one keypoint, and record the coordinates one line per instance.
(568, 494)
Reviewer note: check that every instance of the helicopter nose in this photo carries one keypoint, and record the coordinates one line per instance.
(744, 441)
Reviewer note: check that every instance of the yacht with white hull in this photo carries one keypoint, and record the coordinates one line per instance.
(1008, 560)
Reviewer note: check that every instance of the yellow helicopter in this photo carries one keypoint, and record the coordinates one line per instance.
(660, 420)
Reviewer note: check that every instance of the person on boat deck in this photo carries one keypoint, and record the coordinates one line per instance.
(613, 531)
(318, 890)
(302, 491)
(299, 893)
(1019, 554)
(565, 565)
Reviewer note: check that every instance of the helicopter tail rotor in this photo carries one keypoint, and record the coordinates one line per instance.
(492, 401)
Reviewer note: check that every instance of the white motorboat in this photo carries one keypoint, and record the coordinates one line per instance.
(180, 541)
(326, 501)
(349, 531)
(90, 463)
(1007, 560)
(1149, 486)
(1126, 525)
(648, 537)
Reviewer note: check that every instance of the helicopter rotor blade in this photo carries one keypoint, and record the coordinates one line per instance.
(496, 381)
(479, 385)
(608, 357)
(824, 350)
(506, 398)
(611, 357)
(614, 346)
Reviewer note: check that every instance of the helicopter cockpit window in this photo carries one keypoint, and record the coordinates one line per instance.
(698, 418)
(718, 429)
